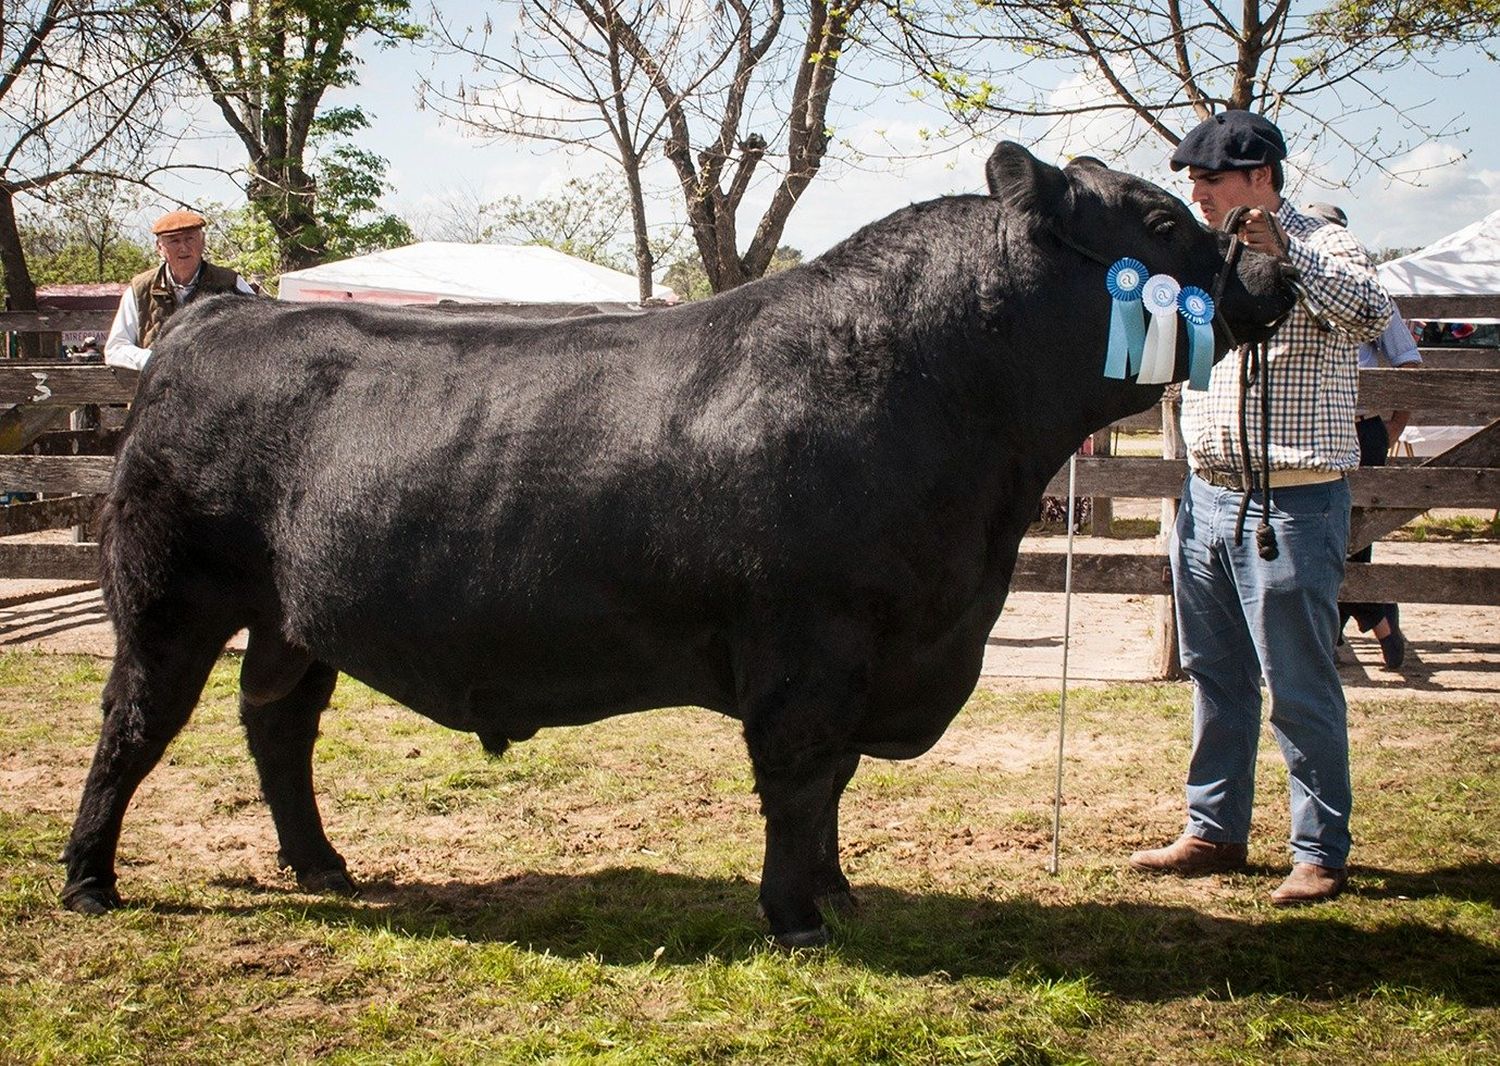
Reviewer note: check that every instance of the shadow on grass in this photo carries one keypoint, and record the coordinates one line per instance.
(1135, 951)
(1475, 883)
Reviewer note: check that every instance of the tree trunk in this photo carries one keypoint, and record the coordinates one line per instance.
(286, 201)
(728, 269)
(645, 263)
(20, 289)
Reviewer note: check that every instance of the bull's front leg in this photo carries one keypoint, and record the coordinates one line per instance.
(802, 761)
(803, 680)
(799, 870)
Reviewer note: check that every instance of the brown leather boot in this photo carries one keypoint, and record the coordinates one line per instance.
(1310, 883)
(1190, 856)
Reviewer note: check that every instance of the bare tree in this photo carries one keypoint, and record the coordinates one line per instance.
(720, 89)
(96, 213)
(582, 219)
(1169, 64)
(267, 65)
(79, 91)
(463, 216)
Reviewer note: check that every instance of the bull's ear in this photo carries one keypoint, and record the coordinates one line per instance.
(1020, 180)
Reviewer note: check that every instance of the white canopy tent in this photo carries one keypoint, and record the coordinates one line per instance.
(1466, 263)
(431, 271)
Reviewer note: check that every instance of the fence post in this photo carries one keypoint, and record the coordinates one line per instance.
(1101, 521)
(1168, 666)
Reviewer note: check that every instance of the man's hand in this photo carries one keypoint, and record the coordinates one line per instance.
(1262, 233)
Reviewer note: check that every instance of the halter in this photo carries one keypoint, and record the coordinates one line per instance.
(1231, 260)
(1255, 363)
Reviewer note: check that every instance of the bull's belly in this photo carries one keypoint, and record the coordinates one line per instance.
(509, 685)
(510, 690)
(506, 676)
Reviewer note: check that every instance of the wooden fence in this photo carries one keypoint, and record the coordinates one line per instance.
(1456, 387)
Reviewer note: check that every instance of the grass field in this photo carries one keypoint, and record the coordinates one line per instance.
(590, 897)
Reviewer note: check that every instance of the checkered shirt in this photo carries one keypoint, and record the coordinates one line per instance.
(1314, 371)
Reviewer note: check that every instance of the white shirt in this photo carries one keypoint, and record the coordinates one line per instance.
(121, 349)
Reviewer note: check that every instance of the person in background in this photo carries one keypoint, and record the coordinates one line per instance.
(153, 295)
(1395, 347)
(1244, 615)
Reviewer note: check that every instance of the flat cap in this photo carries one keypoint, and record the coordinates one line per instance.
(1231, 140)
(1328, 213)
(173, 221)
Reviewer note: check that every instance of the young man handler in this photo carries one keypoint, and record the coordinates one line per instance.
(1242, 618)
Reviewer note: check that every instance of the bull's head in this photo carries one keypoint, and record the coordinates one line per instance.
(1087, 211)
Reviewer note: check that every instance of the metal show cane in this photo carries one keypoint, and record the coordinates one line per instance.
(1062, 707)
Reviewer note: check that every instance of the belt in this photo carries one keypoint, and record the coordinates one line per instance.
(1280, 479)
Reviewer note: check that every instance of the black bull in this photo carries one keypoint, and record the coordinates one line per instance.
(798, 504)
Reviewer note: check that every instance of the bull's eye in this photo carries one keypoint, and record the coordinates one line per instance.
(1161, 225)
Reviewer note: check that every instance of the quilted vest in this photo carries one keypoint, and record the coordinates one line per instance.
(155, 300)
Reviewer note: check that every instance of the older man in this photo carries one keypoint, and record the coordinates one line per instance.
(155, 294)
(1244, 614)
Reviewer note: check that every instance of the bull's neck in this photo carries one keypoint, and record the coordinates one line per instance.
(999, 320)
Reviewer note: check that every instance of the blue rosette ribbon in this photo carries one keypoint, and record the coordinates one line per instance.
(1125, 281)
(1197, 308)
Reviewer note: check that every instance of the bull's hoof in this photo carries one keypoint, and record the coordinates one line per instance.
(90, 897)
(839, 902)
(329, 883)
(803, 938)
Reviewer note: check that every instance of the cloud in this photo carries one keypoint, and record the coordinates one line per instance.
(1444, 189)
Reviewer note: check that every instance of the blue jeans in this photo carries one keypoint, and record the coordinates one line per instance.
(1241, 618)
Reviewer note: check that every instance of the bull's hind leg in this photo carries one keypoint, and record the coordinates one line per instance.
(161, 663)
(281, 732)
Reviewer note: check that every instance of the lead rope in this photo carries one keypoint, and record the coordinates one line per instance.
(1255, 362)
(1265, 536)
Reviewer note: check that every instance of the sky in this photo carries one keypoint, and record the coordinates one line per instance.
(1453, 181)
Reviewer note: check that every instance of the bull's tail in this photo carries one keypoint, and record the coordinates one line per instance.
(136, 541)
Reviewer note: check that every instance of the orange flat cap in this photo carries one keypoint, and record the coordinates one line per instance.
(173, 221)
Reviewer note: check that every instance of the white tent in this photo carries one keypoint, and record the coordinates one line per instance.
(1466, 263)
(468, 273)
